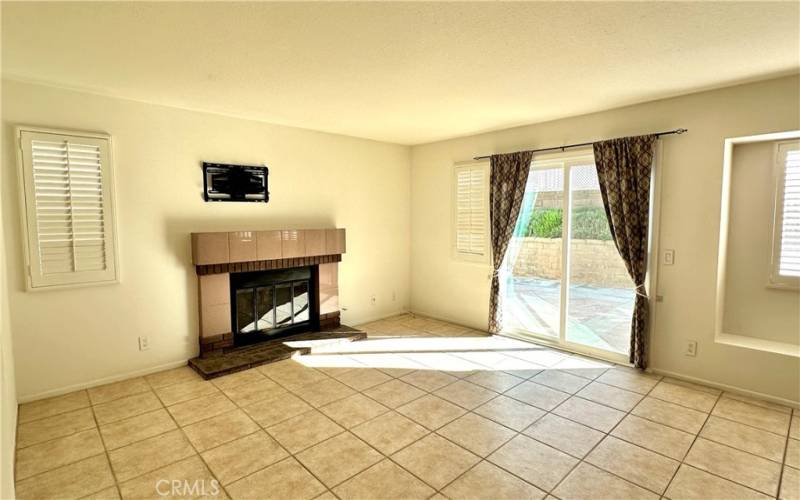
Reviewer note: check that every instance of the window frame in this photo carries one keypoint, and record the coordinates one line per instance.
(775, 279)
(74, 279)
(485, 257)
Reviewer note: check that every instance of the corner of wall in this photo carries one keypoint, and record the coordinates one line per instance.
(8, 392)
(8, 419)
(8, 387)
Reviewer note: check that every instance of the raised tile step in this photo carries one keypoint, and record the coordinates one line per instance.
(242, 358)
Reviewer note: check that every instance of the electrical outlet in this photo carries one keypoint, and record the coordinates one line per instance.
(372, 300)
(691, 348)
(669, 257)
(144, 343)
(394, 295)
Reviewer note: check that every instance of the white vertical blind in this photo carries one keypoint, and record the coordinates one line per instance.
(471, 216)
(69, 219)
(789, 205)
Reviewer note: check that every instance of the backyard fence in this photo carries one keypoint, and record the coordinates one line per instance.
(594, 262)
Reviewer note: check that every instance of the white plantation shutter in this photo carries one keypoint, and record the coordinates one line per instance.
(787, 208)
(471, 211)
(69, 212)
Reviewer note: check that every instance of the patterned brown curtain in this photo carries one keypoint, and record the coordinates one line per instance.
(623, 168)
(507, 188)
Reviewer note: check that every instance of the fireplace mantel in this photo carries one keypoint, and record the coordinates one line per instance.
(253, 246)
(217, 254)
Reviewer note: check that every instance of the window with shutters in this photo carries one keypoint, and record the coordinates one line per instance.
(67, 184)
(471, 212)
(785, 265)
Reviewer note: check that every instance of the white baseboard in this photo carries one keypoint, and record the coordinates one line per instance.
(94, 383)
(379, 317)
(440, 317)
(726, 387)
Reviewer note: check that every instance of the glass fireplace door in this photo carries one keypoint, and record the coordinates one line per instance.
(255, 309)
(245, 311)
(265, 307)
(300, 301)
(268, 309)
(283, 305)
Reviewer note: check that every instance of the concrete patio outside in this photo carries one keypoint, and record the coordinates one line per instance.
(598, 317)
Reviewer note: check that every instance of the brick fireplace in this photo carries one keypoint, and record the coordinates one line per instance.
(258, 285)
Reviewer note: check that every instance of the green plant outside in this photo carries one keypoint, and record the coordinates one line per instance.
(588, 223)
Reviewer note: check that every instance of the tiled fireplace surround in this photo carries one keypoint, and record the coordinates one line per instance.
(216, 255)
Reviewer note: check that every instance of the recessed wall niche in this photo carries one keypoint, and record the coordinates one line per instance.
(751, 310)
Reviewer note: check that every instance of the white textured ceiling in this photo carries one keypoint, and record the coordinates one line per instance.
(400, 72)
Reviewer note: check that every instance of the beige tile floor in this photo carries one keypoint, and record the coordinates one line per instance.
(422, 409)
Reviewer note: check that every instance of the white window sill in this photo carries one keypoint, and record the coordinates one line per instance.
(755, 344)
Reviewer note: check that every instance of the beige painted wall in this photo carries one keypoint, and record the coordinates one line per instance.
(691, 188)
(72, 337)
(751, 308)
(8, 393)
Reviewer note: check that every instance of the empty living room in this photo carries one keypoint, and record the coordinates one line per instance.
(400, 250)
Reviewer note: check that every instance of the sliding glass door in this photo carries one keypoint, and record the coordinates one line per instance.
(534, 263)
(564, 279)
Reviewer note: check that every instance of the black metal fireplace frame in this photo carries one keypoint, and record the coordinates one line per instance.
(250, 280)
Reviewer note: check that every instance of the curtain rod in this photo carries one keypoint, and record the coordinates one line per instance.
(562, 148)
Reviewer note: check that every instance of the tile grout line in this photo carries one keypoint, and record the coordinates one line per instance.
(742, 424)
(293, 455)
(485, 459)
(429, 432)
(108, 457)
(708, 413)
(348, 431)
(186, 437)
(522, 433)
(260, 429)
(659, 379)
(394, 410)
(17, 449)
(114, 400)
(607, 434)
(61, 413)
(467, 411)
(696, 437)
(97, 427)
(570, 395)
(61, 466)
(785, 452)
(264, 429)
